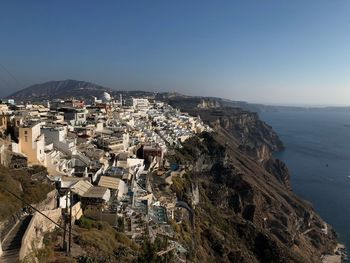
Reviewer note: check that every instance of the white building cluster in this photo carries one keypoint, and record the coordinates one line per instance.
(102, 152)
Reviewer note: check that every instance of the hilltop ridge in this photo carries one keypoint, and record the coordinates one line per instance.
(55, 89)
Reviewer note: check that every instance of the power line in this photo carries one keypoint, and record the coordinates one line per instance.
(11, 75)
(26, 203)
(64, 228)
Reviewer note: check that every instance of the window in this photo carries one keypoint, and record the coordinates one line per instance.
(26, 138)
(25, 132)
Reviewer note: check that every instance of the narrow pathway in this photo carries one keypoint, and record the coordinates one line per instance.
(12, 243)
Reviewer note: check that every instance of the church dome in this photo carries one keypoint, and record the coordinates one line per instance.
(106, 96)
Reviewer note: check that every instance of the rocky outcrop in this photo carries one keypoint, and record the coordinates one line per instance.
(280, 170)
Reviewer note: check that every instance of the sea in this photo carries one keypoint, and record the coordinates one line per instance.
(317, 154)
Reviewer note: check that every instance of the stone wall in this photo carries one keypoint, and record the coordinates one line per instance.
(38, 226)
(5, 226)
(49, 203)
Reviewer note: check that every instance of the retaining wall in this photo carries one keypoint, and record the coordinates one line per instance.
(49, 203)
(38, 226)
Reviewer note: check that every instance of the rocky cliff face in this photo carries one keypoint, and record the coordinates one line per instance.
(253, 136)
(245, 213)
(280, 170)
(246, 210)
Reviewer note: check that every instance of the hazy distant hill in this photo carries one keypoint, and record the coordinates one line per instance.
(82, 89)
(59, 89)
(70, 89)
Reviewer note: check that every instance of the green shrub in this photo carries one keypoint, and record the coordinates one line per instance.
(85, 222)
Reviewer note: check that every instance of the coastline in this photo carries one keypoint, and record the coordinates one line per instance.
(307, 152)
(338, 257)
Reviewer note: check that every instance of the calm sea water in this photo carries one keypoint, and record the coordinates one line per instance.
(318, 157)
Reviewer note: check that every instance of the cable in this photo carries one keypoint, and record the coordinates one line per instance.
(25, 202)
(12, 76)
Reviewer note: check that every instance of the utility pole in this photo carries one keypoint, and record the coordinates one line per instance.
(70, 222)
(64, 245)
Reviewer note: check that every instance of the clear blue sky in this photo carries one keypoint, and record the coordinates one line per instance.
(290, 51)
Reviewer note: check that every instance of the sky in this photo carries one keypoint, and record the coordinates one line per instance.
(279, 52)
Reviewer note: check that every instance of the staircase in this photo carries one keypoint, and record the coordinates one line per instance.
(12, 242)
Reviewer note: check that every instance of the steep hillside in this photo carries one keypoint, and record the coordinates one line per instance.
(245, 213)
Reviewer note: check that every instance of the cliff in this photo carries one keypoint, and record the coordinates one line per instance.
(247, 211)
